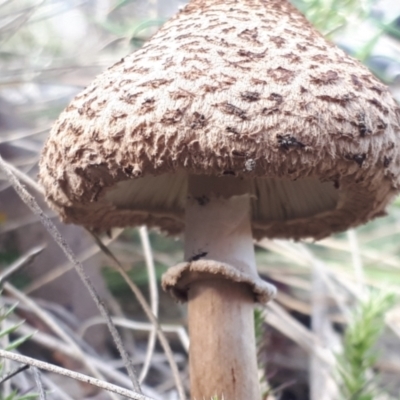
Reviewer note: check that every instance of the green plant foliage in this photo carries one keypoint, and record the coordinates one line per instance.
(138, 274)
(14, 396)
(4, 314)
(259, 328)
(259, 318)
(389, 29)
(355, 363)
(328, 16)
(159, 243)
(7, 257)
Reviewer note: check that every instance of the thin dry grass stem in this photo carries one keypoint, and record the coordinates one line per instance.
(381, 232)
(281, 248)
(74, 375)
(11, 28)
(294, 281)
(162, 258)
(154, 298)
(322, 383)
(20, 162)
(21, 262)
(50, 342)
(60, 270)
(52, 229)
(357, 261)
(281, 320)
(140, 326)
(55, 389)
(342, 281)
(54, 326)
(335, 282)
(28, 145)
(390, 260)
(39, 384)
(392, 320)
(345, 283)
(165, 386)
(323, 270)
(24, 177)
(62, 10)
(54, 344)
(146, 308)
(118, 312)
(4, 342)
(292, 303)
(304, 257)
(13, 373)
(17, 223)
(20, 134)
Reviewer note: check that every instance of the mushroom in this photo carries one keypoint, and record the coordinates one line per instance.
(237, 120)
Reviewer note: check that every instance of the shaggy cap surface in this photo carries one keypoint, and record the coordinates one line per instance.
(240, 88)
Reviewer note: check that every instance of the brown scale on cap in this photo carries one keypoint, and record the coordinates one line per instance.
(318, 133)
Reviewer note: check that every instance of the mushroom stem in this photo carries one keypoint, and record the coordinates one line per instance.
(223, 359)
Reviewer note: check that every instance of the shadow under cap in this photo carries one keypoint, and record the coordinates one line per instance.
(245, 89)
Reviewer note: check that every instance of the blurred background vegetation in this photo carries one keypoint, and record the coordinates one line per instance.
(333, 331)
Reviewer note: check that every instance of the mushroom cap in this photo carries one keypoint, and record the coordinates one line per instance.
(247, 89)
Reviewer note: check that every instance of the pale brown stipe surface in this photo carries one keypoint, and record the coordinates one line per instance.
(251, 91)
(214, 363)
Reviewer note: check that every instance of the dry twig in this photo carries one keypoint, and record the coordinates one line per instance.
(74, 375)
(151, 272)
